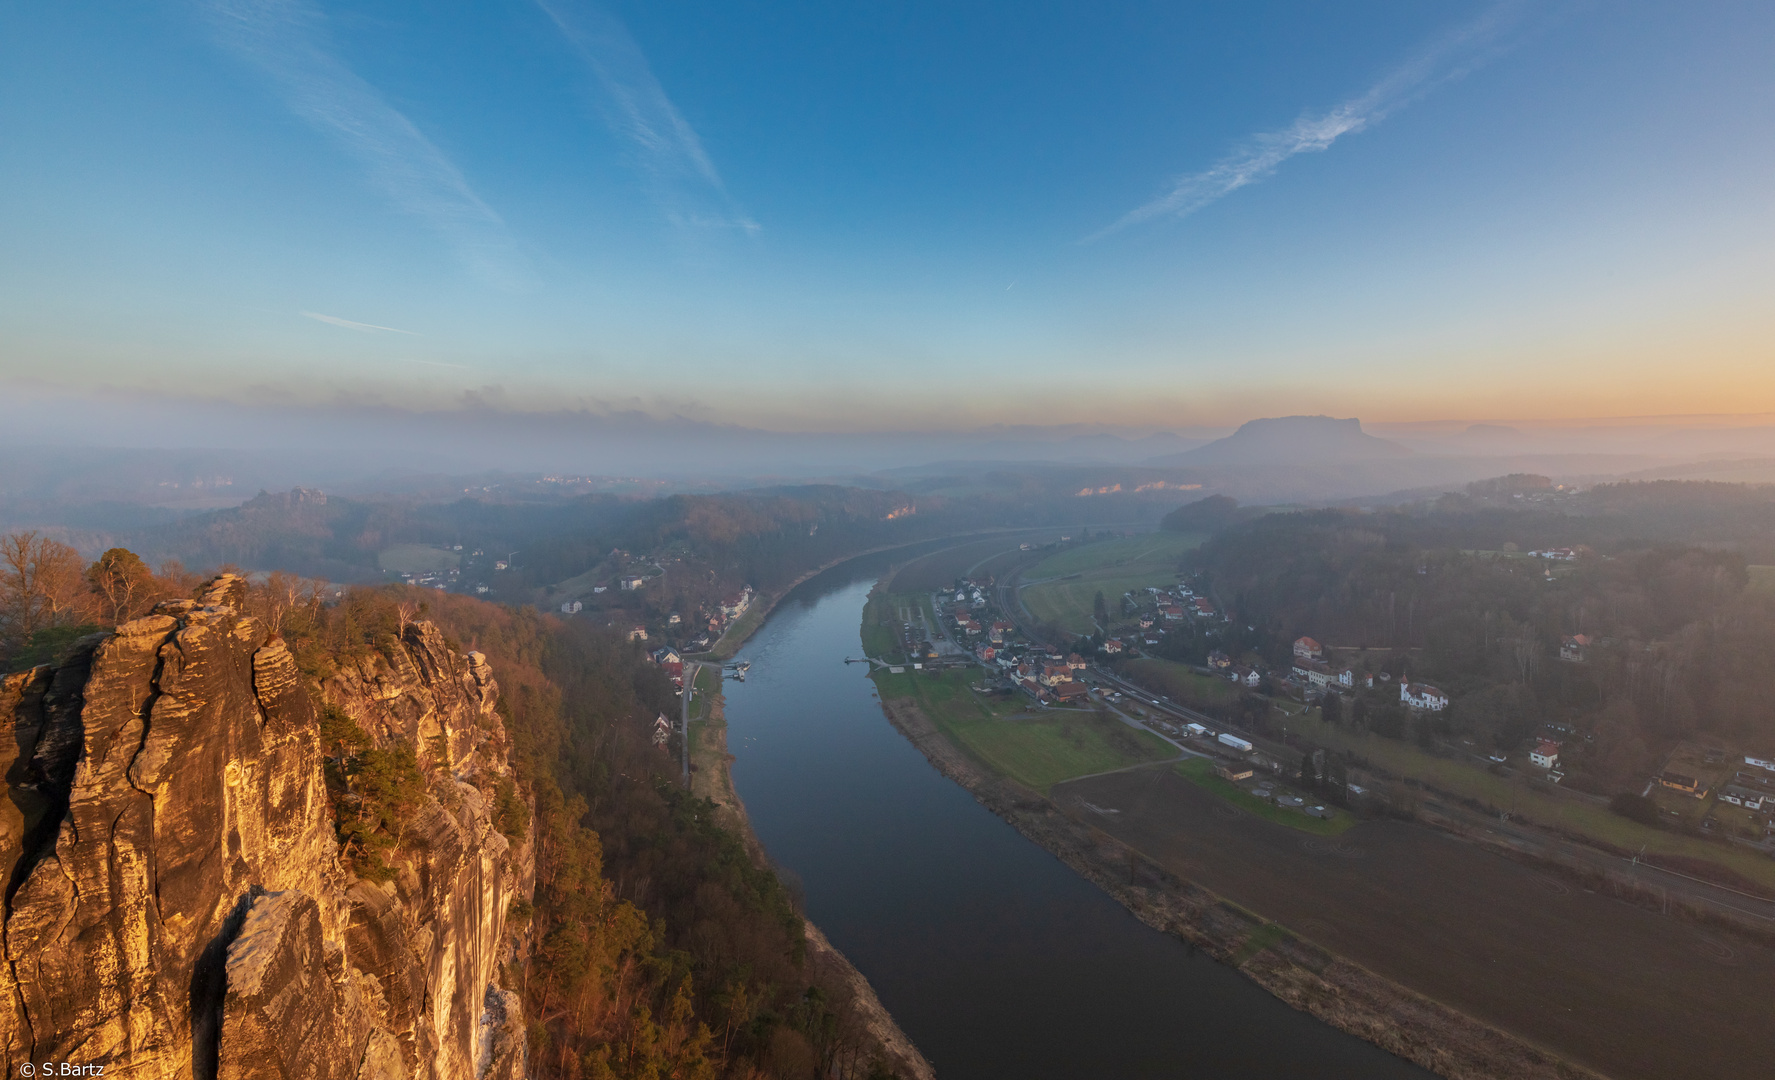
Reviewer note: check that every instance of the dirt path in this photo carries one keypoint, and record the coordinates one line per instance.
(711, 777)
(1341, 993)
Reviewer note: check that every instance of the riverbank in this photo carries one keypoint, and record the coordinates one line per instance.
(711, 777)
(1303, 974)
(746, 625)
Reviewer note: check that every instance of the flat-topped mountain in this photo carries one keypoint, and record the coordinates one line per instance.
(1303, 439)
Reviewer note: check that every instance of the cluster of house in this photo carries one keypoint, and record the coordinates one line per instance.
(1312, 671)
(998, 634)
(1749, 788)
(1177, 604)
(1048, 677)
(441, 580)
(1044, 676)
(968, 622)
(1243, 674)
(731, 607)
(671, 662)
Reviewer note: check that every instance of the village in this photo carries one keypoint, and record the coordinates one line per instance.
(968, 624)
(976, 622)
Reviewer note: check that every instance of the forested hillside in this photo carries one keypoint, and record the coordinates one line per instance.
(660, 948)
(1676, 636)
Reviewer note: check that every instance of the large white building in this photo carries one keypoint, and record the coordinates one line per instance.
(1422, 696)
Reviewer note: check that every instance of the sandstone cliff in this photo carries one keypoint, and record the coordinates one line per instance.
(176, 901)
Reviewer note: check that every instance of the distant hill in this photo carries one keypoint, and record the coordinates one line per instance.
(1208, 515)
(1303, 439)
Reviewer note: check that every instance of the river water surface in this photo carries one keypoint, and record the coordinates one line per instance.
(995, 957)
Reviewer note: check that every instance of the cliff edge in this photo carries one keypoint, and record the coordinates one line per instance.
(177, 902)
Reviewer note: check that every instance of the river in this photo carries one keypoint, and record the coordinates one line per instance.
(995, 957)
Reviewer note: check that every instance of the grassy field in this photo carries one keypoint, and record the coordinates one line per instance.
(1762, 578)
(1523, 800)
(1071, 603)
(417, 558)
(1036, 748)
(1149, 552)
(1180, 683)
(1200, 772)
(879, 638)
(940, 568)
(1111, 567)
(708, 683)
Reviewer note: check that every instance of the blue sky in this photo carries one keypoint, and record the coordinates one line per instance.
(895, 216)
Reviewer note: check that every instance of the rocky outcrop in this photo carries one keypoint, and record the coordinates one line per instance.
(176, 901)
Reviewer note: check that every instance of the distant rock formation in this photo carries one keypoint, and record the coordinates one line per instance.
(1306, 440)
(176, 902)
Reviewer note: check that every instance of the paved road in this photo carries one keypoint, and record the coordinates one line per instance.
(691, 667)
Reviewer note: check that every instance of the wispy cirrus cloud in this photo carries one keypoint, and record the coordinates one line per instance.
(361, 327)
(287, 41)
(1448, 58)
(681, 177)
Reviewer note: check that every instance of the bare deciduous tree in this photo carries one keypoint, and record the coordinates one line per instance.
(273, 601)
(41, 585)
(124, 584)
(408, 612)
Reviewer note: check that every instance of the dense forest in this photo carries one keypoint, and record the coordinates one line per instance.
(661, 948)
(1676, 636)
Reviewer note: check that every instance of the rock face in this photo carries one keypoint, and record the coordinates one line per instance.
(176, 903)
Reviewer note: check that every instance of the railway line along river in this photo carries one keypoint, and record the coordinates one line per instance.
(996, 958)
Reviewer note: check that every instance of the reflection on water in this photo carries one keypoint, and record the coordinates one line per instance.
(994, 956)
